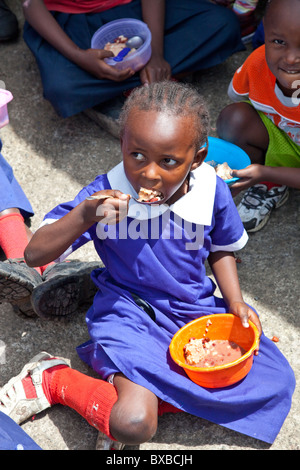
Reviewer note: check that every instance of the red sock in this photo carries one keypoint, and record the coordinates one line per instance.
(91, 398)
(270, 185)
(13, 235)
(164, 407)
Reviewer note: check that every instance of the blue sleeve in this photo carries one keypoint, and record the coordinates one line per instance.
(228, 232)
(101, 182)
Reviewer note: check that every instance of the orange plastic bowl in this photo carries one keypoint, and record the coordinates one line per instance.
(224, 326)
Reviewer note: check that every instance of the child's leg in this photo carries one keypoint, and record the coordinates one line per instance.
(53, 289)
(240, 124)
(126, 412)
(134, 416)
(13, 234)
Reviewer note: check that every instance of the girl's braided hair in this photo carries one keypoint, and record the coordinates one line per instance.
(174, 98)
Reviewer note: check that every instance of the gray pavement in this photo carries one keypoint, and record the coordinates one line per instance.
(53, 158)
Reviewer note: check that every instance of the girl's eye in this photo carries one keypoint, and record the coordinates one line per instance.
(138, 156)
(279, 41)
(169, 161)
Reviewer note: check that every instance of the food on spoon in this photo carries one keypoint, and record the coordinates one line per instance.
(149, 195)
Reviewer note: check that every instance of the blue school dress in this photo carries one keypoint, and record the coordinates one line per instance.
(198, 35)
(11, 193)
(13, 437)
(158, 253)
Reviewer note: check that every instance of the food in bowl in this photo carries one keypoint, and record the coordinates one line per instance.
(221, 326)
(210, 353)
(129, 28)
(118, 45)
(223, 170)
(220, 151)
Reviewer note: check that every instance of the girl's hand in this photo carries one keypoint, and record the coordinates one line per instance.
(157, 69)
(242, 310)
(110, 210)
(92, 61)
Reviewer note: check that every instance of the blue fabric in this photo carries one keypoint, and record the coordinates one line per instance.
(12, 436)
(172, 279)
(198, 35)
(259, 36)
(11, 193)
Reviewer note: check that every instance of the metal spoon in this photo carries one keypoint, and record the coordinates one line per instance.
(135, 42)
(103, 197)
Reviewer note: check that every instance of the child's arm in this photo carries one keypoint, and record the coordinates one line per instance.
(224, 269)
(91, 60)
(157, 68)
(51, 241)
(255, 173)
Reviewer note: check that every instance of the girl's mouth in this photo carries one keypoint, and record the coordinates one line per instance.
(150, 195)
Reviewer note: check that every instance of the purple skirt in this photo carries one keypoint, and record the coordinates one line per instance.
(124, 338)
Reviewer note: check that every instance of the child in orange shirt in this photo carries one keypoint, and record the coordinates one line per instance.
(266, 124)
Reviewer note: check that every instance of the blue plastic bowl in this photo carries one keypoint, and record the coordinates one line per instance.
(128, 27)
(221, 151)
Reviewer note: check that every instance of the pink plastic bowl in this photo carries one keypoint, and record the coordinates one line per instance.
(127, 27)
(5, 97)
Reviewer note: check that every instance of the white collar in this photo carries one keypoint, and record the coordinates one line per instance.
(195, 206)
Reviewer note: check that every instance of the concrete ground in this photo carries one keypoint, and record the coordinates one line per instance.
(52, 159)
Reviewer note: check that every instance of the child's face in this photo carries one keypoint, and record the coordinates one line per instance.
(282, 40)
(159, 152)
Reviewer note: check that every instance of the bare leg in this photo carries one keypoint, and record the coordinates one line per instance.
(133, 418)
(240, 124)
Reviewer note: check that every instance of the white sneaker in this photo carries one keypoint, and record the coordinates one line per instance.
(105, 443)
(257, 204)
(13, 400)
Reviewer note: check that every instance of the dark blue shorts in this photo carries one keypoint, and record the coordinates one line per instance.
(11, 193)
(198, 35)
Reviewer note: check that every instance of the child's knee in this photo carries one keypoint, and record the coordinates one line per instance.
(232, 120)
(135, 428)
(143, 427)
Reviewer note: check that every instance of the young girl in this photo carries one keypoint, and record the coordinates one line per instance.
(154, 282)
(267, 124)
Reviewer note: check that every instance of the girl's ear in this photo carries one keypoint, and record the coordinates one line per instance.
(199, 157)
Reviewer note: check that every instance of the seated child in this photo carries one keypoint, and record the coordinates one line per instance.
(43, 290)
(266, 121)
(186, 37)
(153, 283)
